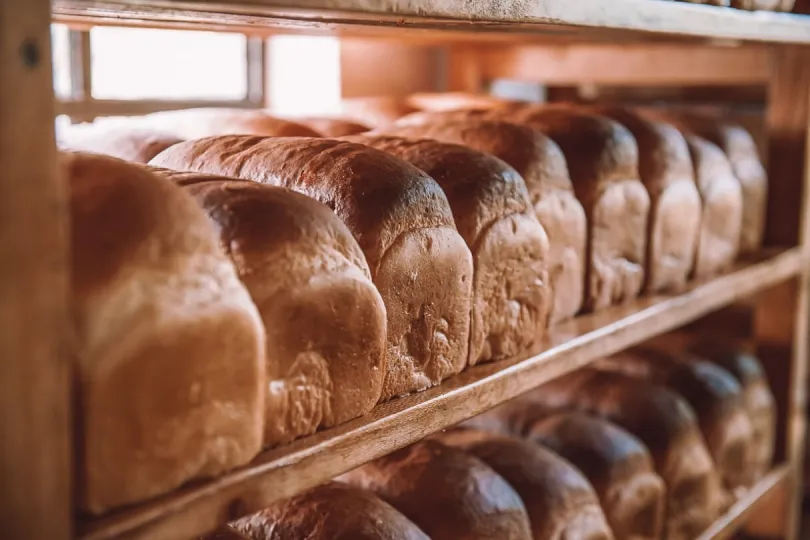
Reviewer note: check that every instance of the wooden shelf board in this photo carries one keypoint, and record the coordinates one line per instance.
(282, 472)
(619, 18)
(736, 516)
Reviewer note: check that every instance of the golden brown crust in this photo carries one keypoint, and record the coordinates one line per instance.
(490, 204)
(418, 118)
(542, 165)
(402, 221)
(449, 494)
(447, 101)
(666, 424)
(198, 123)
(325, 320)
(332, 127)
(723, 209)
(714, 395)
(128, 143)
(602, 158)
(375, 111)
(558, 498)
(665, 168)
(169, 347)
(333, 511)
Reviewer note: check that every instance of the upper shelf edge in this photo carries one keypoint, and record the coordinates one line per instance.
(622, 19)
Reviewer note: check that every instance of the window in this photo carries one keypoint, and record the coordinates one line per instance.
(60, 41)
(305, 75)
(136, 63)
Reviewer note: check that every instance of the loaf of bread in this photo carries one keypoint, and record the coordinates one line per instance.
(757, 397)
(324, 319)
(665, 423)
(449, 494)
(334, 511)
(447, 101)
(128, 143)
(402, 221)
(665, 168)
(616, 463)
(714, 395)
(198, 123)
(542, 165)
(602, 158)
(418, 118)
(332, 127)
(169, 347)
(511, 293)
(558, 498)
(376, 111)
(741, 151)
(723, 208)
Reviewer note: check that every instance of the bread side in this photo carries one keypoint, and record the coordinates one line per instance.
(402, 221)
(602, 159)
(665, 168)
(325, 319)
(542, 165)
(449, 494)
(333, 511)
(169, 356)
(511, 291)
(723, 208)
(559, 500)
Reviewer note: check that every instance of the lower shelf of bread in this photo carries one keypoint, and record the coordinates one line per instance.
(282, 472)
(736, 516)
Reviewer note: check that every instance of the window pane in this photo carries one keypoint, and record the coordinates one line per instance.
(304, 75)
(137, 63)
(60, 42)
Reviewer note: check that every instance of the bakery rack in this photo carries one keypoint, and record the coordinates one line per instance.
(633, 42)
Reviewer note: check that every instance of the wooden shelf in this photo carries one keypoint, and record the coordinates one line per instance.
(736, 516)
(581, 19)
(285, 471)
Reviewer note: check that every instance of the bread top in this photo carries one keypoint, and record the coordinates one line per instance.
(123, 214)
(536, 473)
(744, 366)
(448, 493)
(129, 143)
(537, 158)
(274, 223)
(376, 195)
(733, 139)
(598, 150)
(375, 111)
(481, 188)
(333, 511)
(663, 154)
(605, 453)
(709, 161)
(445, 101)
(207, 122)
(417, 118)
(332, 127)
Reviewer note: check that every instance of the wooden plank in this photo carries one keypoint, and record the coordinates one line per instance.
(283, 472)
(35, 400)
(627, 65)
(582, 16)
(756, 497)
(782, 317)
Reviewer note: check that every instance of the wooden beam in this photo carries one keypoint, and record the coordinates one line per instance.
(628, 65)
(35, 464)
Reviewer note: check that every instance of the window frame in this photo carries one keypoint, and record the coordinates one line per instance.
(81, 106)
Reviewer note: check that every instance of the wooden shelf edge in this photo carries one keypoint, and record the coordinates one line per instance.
(637, 18)
(736, 516)
(283, 472)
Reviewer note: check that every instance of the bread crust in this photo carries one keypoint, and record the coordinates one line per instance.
(325, 319)
(333, 511)
(559, 500)
(209, 122)
(127, 143)
(511, 291)
(332, 127)
(169, 349)
(665, 169)
(542, 165)
(400, 218)
(602, 159)
(449, 494)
